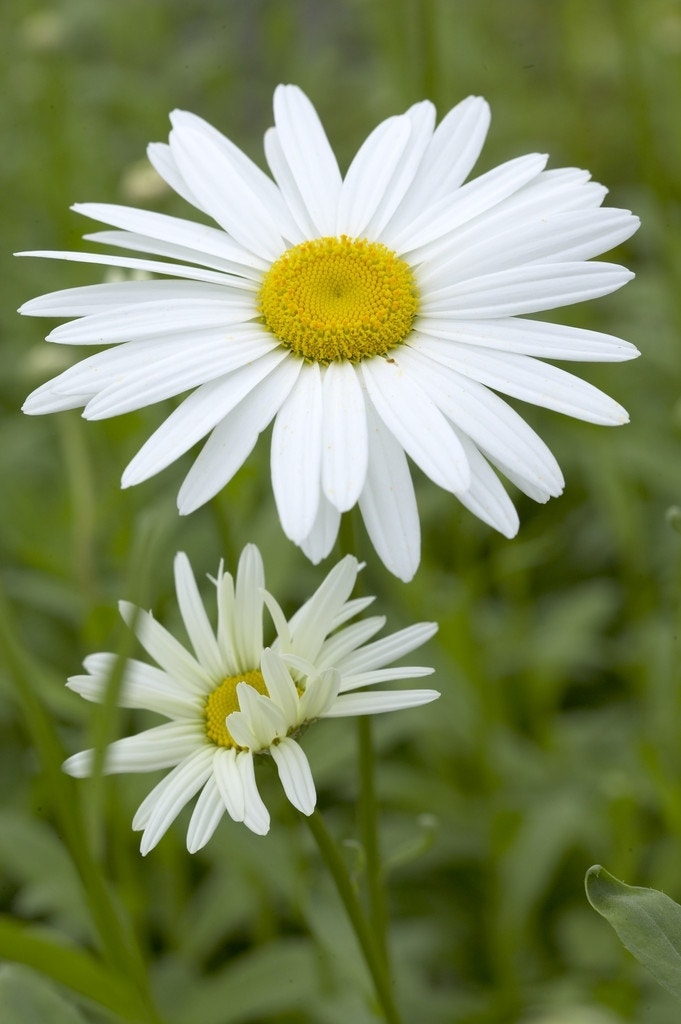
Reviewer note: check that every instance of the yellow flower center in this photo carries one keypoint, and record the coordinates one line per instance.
(223, 700)
(339, 299)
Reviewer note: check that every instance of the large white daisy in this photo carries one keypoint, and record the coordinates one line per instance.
(369, 316)
(231, 698)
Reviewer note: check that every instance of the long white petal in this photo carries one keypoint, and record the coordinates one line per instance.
(295, 775)
(195, 618)
(131, 263)
(345, 449)
(324, 532)
(296, 454)
(166, 650)
(119, 296)
(313, 621)
(226, 192)
(379, 701)
(531, 338)
(248, 608)
(416, 422)
(308, 154)
(256, 815)
(390, 648)
(388, 502)
(142, 686)
(198, 414)
(370, 174)
(235, 436)
(280, 686)
(206, 816)
(229, 783)
(187, 779)
(528, 289)
(160, 747)
(531, 380)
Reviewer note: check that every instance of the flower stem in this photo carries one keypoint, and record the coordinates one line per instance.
(368, 827)
(365, 934)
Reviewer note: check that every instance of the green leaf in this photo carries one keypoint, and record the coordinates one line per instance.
(25, 996)
(69, 966)
(647, 922)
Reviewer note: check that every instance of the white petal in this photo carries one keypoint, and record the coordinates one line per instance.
(388, 502)
(188, 778)
(319, 695)
(242, 278)
(280, 686)
(186, 233)
(483, 193)
(256, 817)
(525, 289)
(380, 701)
(196, 765)
(162, 160)
(179, 366)
(248, 608)
(263, 186)
(166, 650)
(119, 296)
(369, 175)
(296, 455)
(562, 237)
(383, 675)
(196, 416)
(131, 263)
(313, 621)
(149, 319)
(160, 747)
(266, 720)
(342, 643)
(448, 159)
(531, 380)
(345, 450)
(322, 536)
(206, 816)
(142, 686)
(295, 775)
(235, 436)
(390, 648)
(493, 426)
(532, 338)
(225, 191)
(195, 619)
(416, 422)
(308, 155)
(228, 779)
(486, 497)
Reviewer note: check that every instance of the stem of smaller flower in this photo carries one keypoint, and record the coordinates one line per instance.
(366, 936)
(368, 829)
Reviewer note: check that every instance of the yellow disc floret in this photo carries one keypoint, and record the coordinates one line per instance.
(339, 298)
(223, 700)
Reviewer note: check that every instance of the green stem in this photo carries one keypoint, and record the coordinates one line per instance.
(368, 827)
(367, 804)
(365, 935)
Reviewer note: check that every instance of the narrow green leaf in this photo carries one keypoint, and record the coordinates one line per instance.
(25, 996)
(70, 966)
(647, 922)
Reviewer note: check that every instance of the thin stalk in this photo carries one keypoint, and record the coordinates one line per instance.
(367, 803)
(366, 937)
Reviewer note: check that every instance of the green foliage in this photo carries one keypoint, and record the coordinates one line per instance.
(556, 740)
(647, 922)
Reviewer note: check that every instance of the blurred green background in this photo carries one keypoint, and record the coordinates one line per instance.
(556, 743)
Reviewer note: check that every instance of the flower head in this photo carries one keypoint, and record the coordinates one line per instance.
(373, 316)
(230, 698)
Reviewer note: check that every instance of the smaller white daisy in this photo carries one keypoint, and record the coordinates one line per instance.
(233, 698)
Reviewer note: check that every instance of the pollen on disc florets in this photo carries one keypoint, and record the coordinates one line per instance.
(223, 701)
(332, 299)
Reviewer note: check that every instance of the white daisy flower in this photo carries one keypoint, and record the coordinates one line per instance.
(372, 317)
(232, 698)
